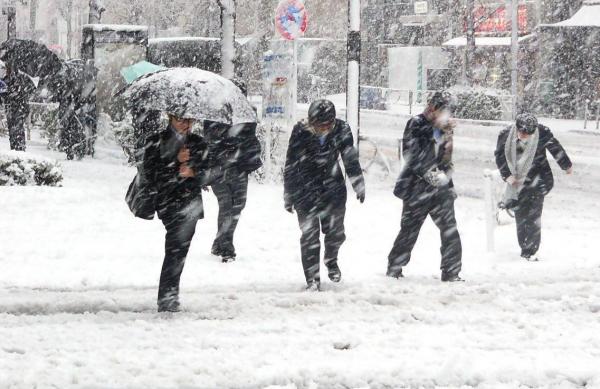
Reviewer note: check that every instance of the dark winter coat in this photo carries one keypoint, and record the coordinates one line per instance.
(419, 151)
(20, 88)
(160, 169)
(237, 146)
(540, 176)
(312, 176)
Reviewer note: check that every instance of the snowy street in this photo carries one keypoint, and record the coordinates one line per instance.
(79, 276)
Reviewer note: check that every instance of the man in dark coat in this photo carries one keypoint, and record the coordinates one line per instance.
(314, 185)
(20, 87)
(175, 168)
(426, 188)
(145, 122)
(69, 85)
(239, 148)
(521, 157)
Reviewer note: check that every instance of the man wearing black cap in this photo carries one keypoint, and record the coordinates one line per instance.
(315, 186)
(426, 188)
(521, 158)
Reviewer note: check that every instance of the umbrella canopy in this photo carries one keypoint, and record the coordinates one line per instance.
(30, 57)
(191, 93)
(133, 72)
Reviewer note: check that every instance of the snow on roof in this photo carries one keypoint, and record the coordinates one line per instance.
(587, 16)
(484, 41)
(115, 27)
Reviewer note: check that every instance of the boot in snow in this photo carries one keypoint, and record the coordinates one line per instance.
(333, 271)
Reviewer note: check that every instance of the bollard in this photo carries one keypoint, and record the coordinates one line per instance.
(489, 209)
(586, 113)
(598, 115)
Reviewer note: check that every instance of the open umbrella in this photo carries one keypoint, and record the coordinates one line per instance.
(30, 57)
(133, 72)
(191, 93)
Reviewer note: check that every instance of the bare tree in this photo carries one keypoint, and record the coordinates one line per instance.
(65, 9)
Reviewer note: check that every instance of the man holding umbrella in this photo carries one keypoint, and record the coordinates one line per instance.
(25, 60)
(20, 88)
(173, 165)
(177, 163)
(241, 144)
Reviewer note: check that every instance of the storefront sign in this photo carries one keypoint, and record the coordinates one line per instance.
(498, 19)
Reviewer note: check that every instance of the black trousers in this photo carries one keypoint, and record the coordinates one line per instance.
(528, 215)
(72, 137)
(440, 206)
(231, 195)
(331, 222)
(180, 231)
(16, 117)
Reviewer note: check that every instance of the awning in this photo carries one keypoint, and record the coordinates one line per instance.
(587, 16)
(485, 41)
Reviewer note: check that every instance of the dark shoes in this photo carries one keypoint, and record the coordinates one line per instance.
(394, 273)
(228, 258)
(226, 255)
(313, 286)
(334, 272)
(530, 258)
(169, 304)
(451, 278)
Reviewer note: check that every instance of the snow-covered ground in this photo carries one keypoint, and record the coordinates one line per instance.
(78, 279)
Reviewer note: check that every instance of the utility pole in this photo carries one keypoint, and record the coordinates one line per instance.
(514, 50)
(353, 76)
(227, 38)
(470, 49)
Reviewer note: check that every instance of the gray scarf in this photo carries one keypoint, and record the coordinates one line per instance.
(519, 165)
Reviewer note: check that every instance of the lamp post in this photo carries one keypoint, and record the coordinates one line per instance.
(353, 76)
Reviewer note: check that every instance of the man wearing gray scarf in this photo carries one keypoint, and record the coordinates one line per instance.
(521, 158)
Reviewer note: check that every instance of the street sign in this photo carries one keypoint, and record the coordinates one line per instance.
(277, 83)
(421, 7)
(291, 19)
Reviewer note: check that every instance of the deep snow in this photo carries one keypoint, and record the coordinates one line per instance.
(79, 275)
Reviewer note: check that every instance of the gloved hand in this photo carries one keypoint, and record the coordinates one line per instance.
(289, 208)
(361, 196)
(288, 204)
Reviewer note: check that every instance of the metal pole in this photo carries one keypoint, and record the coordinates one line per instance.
(353, 76)
(227, 38)
(470, 49)
(294, 83)
(514, 48)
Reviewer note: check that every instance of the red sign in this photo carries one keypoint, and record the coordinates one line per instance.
(498, 19)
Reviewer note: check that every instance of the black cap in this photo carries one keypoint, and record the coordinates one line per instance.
(527, 123)
(321, 112)
(440, 100)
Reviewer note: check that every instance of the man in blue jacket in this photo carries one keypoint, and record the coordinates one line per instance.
(314, 185)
